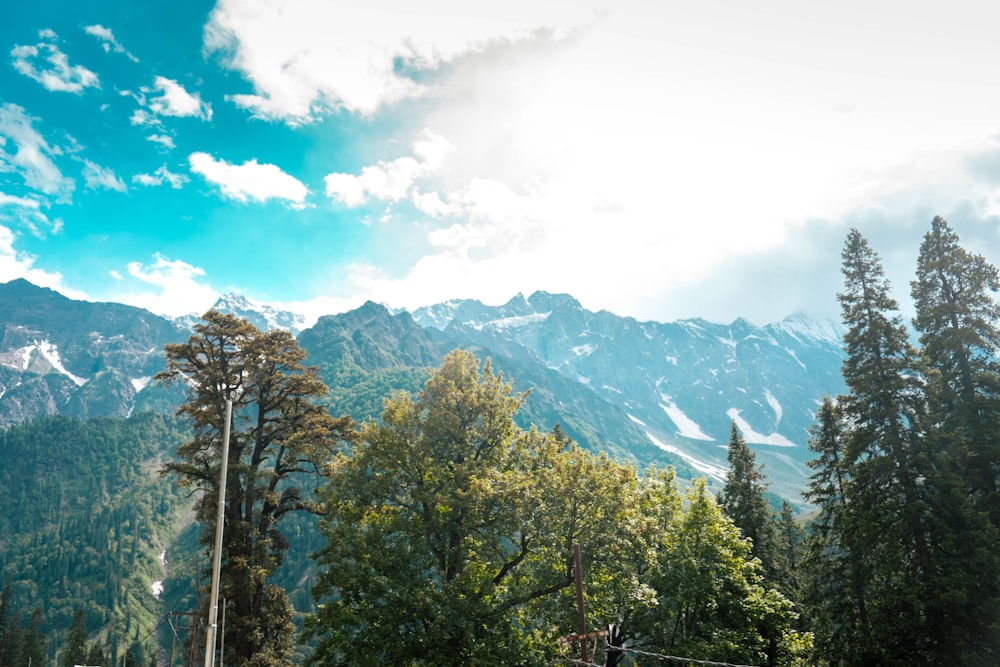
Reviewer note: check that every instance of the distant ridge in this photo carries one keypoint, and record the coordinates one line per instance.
(645, 392)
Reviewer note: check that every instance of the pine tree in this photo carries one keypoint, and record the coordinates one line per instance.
(75, 647)
(789, 552)
(888, 466)
(34, 644)
(742, 499)
(6, 619)
(836, 571)
(958, 318)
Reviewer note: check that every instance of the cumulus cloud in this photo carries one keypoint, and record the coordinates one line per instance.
(108, 40)
(663, 148)
(250, 180)
(166, 98)
(390, 180)
(25, 151)
(170, 98)
(305, 56)
(164, 140)
(179, 290)
(48, 65)
(159, 177)
(101, 178)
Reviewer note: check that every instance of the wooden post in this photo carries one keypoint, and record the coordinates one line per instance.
(581, 615)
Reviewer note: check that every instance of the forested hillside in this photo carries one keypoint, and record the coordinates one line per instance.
(86, 514)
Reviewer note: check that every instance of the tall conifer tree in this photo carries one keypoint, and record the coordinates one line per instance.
(884, 451)
(837, 572)
(742, 500)
(958, 318)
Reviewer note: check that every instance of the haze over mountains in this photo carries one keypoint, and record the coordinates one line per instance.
(647, 392)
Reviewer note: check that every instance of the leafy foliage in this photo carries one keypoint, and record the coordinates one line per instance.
(450, 533)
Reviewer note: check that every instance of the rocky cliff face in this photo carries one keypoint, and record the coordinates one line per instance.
(58, 355)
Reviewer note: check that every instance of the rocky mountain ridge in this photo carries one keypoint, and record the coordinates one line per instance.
(647, 392)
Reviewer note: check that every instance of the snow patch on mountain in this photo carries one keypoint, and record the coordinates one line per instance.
(25, 353)
(794, 356)
(710, 469)
(804, 328)
(51, 354)
(753, 437)
(686, 427)
(775, 405)
(515, 322)
(140, 383)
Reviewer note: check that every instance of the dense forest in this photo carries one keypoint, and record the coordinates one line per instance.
(444, 530)
(85, 514)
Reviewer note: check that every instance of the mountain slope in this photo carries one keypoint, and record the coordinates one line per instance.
(367, 354)
(682, 383)
(61, 356)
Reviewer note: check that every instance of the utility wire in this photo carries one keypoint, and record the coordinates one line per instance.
(673, 658)
(574, 661)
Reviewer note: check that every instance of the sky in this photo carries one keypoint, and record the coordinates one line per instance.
(660, 160)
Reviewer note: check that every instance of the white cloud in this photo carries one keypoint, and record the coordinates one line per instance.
(108, 40)
(166, 98)
(32, 158)
(159, 177)
(664, 144)
(27, 212)
(102, 178)
(23, 202)
(179, 290)
(305, 56)
(163, 139)
(172, 99)
(17, 264)
(48, 65)
(390, 180)
(250, 180)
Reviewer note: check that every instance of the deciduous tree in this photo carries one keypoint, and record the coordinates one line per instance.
(450, 530)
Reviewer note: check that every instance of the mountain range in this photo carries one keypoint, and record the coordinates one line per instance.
(645, 392)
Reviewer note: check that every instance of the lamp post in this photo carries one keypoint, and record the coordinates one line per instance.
(213, 603)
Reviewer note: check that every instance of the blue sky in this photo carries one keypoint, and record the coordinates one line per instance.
(661, 160)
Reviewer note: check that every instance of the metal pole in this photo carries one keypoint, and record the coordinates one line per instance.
(213, 602)
(222, 636)
(581, 616)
